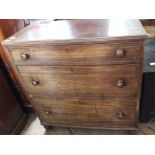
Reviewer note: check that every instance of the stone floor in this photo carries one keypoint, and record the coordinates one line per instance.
(33, 127)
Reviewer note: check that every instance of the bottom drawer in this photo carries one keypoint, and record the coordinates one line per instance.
(87, 112)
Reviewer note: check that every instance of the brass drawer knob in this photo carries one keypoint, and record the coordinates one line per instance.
(120, 53)
(47, 112)
(120, 83)
(35, 82)
(25, 56)
(120, 115)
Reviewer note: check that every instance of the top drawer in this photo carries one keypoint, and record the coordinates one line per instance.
(95, 54)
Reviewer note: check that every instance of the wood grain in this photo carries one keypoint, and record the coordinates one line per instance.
(93, 54)
(78, 31)
(81, 73)
(86, 112)
(77, 81)
(7, 28)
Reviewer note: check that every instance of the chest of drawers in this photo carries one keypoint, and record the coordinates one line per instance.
(81, 73)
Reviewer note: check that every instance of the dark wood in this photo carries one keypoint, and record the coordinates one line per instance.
(12, 117)
(81, 81)
(15, 79)
(20, 126)
(91, 54)
(148, 22)
(11, 114)
(78, 31)
(7, 28)
(81, 73)
(11, 26)
(47, 127)
(86, 112)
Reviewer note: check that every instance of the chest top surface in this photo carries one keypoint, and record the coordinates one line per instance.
(71, 31)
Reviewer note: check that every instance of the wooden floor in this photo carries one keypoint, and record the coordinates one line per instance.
(33, 127)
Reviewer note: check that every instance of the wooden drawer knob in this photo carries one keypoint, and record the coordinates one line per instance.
(120, 53)
(120, 115)
(47, 112)
(25, 56)
(35, 82)
(120, 83)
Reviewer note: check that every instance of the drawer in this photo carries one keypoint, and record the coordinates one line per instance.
(86, 112)
(95, 54)
(81, 81)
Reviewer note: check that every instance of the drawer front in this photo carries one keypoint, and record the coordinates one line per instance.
(95, 54)
(81, 81)
(86, 112)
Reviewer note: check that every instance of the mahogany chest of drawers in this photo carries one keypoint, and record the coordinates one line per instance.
(81, 73)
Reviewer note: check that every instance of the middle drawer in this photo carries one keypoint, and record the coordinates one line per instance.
(81, 81)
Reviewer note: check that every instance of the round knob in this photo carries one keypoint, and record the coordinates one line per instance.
(25, 56)
(120, 53)
(120, 83)
(47, 112)
(120, 115)
(35, 82)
